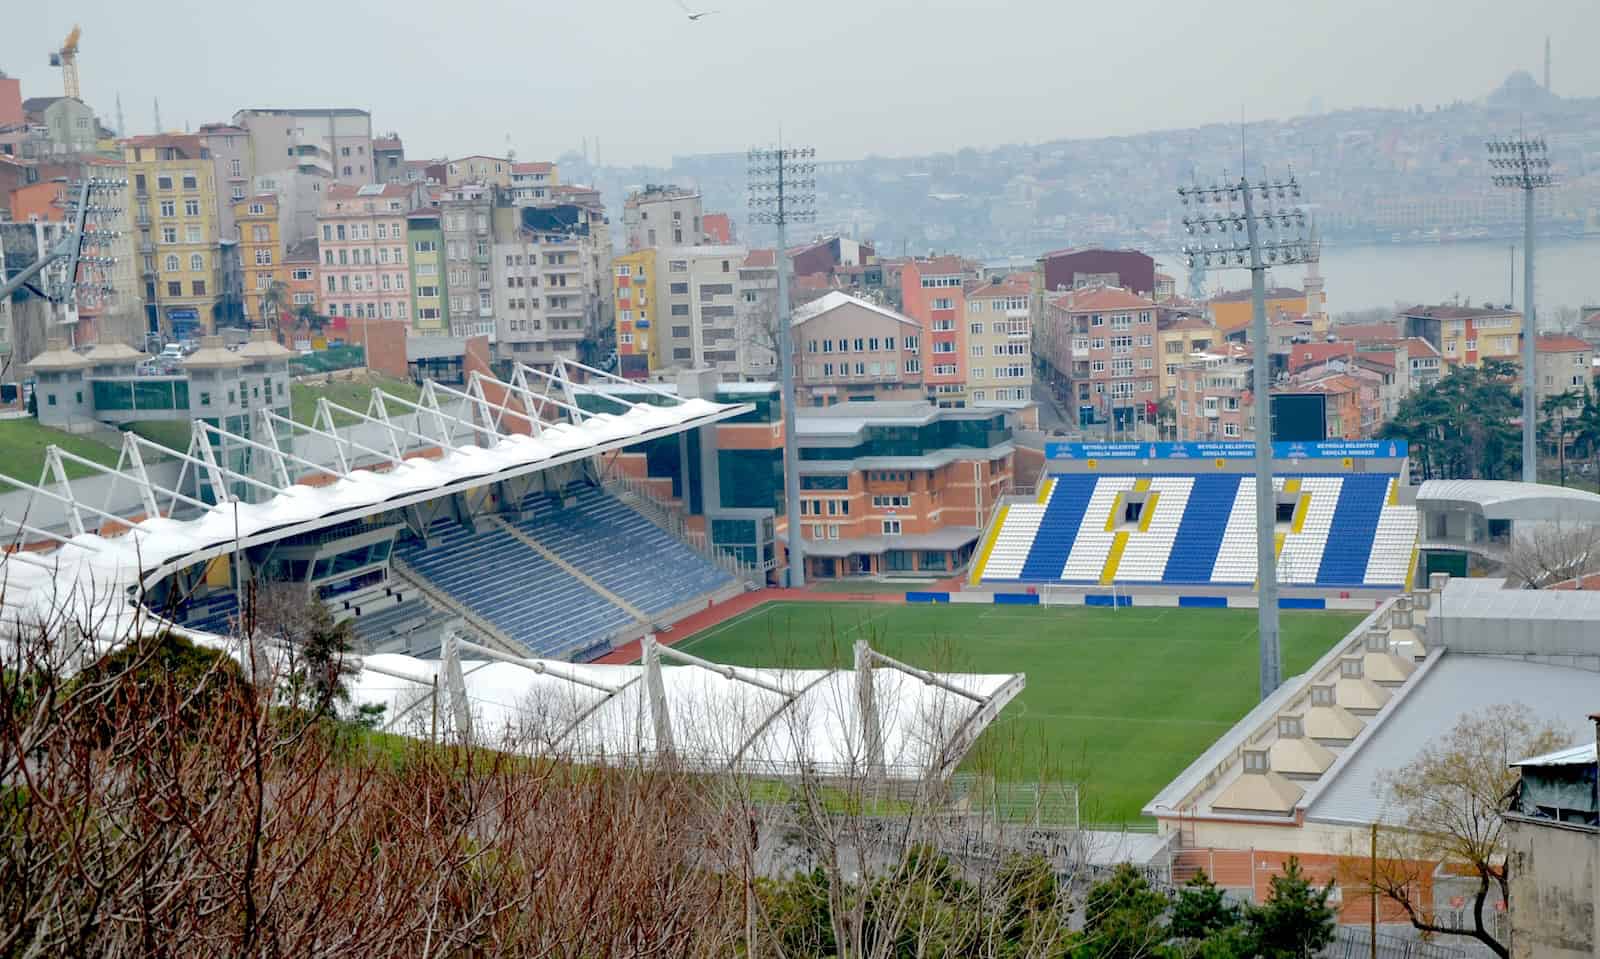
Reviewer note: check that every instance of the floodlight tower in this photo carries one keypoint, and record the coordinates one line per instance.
(1218, 243)
(1524, 165)
(83, 247)
(783, 190)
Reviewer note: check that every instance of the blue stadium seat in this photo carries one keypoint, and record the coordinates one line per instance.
(1059, 528)
(511, 585)
(1194, 552)
(621, 549)
(1355, 526)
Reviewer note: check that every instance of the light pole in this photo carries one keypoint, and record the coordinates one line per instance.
(783, 189)
(1218, 243)
(1524, 166)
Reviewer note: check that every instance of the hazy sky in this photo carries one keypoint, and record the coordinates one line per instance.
(851, 77)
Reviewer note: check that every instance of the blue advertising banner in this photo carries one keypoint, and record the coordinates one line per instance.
(1325, 449)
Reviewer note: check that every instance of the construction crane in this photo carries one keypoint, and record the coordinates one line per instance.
(67, 59)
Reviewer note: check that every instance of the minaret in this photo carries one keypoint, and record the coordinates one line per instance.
(158, 114)
(1547, 64)
(122, 125)
(1316, 302)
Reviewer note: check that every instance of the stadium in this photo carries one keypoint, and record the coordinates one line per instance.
(501, 580)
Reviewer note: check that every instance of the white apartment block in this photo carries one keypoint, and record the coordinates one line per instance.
(544, 297)
(663, 216)
(464, 221)
(698, 306)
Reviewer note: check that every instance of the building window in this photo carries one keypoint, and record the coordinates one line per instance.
(168, 207)
(197, 262)
(191, 207)
(169, 234)
(891, 527)
(199, 287)
(191, 182)
(172, 263)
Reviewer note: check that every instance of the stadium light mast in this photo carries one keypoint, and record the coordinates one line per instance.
(1523, 165)
(1218, 243)
(81, 249)
(783, 190)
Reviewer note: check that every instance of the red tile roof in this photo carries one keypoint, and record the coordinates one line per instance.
(1012, 284)
(937, 265)
(761, 259)
(1360, 332)
(1450, 312)
(387, 143)
(541, 166)
(1100, 298)
(1183, 323)
(1275, 293)
(1302, 355)
(1418, 348)
(1561, 343)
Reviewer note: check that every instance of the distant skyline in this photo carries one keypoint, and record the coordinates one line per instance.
(849, 77)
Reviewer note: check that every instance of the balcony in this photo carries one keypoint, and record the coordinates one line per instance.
(146, 246)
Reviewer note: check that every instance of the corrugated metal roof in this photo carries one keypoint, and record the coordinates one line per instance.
(1456, 685)
(1584, 755)
(1487, 599)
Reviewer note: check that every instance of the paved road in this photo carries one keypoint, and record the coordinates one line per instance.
(1052, 416)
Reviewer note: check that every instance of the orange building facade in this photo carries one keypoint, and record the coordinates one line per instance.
(932, 293)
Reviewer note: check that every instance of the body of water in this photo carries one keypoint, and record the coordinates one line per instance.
(1566, 274)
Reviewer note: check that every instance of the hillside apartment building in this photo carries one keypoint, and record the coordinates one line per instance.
(1099, 344)
(932, 292)
(1000, 340)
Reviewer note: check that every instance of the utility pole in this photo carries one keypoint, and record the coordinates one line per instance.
(1293, 242)
(1524, 165)
(783, 189)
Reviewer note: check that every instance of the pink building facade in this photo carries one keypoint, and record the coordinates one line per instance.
(363, 271)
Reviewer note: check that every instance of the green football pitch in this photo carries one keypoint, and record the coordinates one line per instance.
(1119, 701)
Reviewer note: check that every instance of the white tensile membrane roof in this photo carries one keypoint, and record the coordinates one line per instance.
(779, 722)
(768, 722)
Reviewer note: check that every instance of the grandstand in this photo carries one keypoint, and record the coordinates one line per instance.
(467, 523)
(1144, 515)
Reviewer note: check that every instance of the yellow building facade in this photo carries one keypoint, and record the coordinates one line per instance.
(261, 257)
(1175, 345)
(634, 306)
(1231, 312)
(173, 191)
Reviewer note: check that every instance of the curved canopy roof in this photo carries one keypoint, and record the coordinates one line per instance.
(447, 442)
(1504, 499)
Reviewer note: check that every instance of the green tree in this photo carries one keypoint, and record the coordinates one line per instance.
(1201, 909)
(275, 302)
(1462, 426)
(1122, 918)
(1296, 921)
(1560, 412)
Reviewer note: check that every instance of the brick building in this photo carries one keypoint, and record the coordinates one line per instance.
(1076, 269)
(1100, 343)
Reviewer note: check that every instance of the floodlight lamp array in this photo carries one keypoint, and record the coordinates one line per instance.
(783, 185)
(1524, 163)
